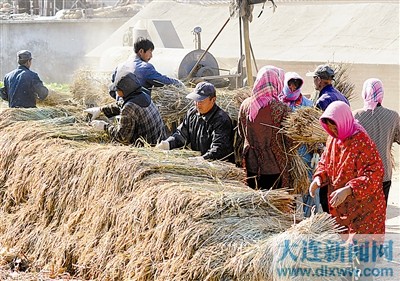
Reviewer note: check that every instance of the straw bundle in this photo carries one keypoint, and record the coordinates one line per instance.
(117, 212)
(230, 100)
(9, 116)
(317, 233)
(172, 103)
(299, 174)
(303, 126)
(342, 82)
(59, 95)
(90, 88)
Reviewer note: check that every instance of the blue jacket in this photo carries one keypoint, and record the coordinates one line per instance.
(148, 76)
(328, 95)
(22, 87)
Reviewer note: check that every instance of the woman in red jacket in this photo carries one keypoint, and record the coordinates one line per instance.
(353, 170)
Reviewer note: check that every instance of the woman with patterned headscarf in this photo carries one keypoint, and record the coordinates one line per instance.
(260, 118)
(293, 97)
(381, 124)
(291, 93)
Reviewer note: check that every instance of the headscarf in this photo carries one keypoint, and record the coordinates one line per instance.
(340, 113)
(122, 70)
(287, 95)
(268, 85)
(372, 93)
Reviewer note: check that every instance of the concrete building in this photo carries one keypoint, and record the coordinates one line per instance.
(297, 36)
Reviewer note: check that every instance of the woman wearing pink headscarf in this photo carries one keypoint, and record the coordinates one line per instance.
(260, 118)
(291, 93)
(353, 170)
(381, 124)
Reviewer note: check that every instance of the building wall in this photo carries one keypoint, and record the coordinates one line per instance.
(58, 46)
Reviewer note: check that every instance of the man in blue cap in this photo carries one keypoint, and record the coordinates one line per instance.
(22, 87)
(206, 127)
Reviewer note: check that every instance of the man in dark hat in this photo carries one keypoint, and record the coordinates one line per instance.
(206, 127)
(22, 87)
(323, 77)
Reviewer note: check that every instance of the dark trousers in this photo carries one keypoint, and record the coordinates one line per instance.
(263, 182)
(323, 198)
(386, 188)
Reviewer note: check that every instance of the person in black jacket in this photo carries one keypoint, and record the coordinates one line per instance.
(206, 127)
(22, 86)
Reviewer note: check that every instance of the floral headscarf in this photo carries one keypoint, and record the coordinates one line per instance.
(372, 93)
(268, 86)
(340, 113)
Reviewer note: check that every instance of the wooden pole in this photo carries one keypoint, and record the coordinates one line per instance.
(249, 72)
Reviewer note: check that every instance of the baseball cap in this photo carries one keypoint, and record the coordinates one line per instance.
(24, 55)
(203, 90)
(323, 71)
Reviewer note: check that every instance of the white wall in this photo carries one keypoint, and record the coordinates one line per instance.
(58, 46)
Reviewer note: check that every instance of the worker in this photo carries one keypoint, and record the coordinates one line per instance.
(323, 77)
(145, 72)
(260, 117)
(22, 86)
(353, 170)
(139, 121)
(206, 127)
(381, 124)
(293, 97)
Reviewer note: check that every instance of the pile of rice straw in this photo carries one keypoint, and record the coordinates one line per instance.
(112, 212)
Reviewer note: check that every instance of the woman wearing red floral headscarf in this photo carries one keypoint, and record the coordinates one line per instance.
(260, 118)
(353, 170)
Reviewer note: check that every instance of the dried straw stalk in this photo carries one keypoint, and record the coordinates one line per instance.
(90, 89)
(230, 100)
(266, 255)
(172, 103)
(342, 82)
(299, 174)
(303, 126)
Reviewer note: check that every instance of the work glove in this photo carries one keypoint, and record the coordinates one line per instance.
(196, 159)
(314, 160)
(94, 112)
(316, 183)
(163, 145)
(98, 125)
(180, 84)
